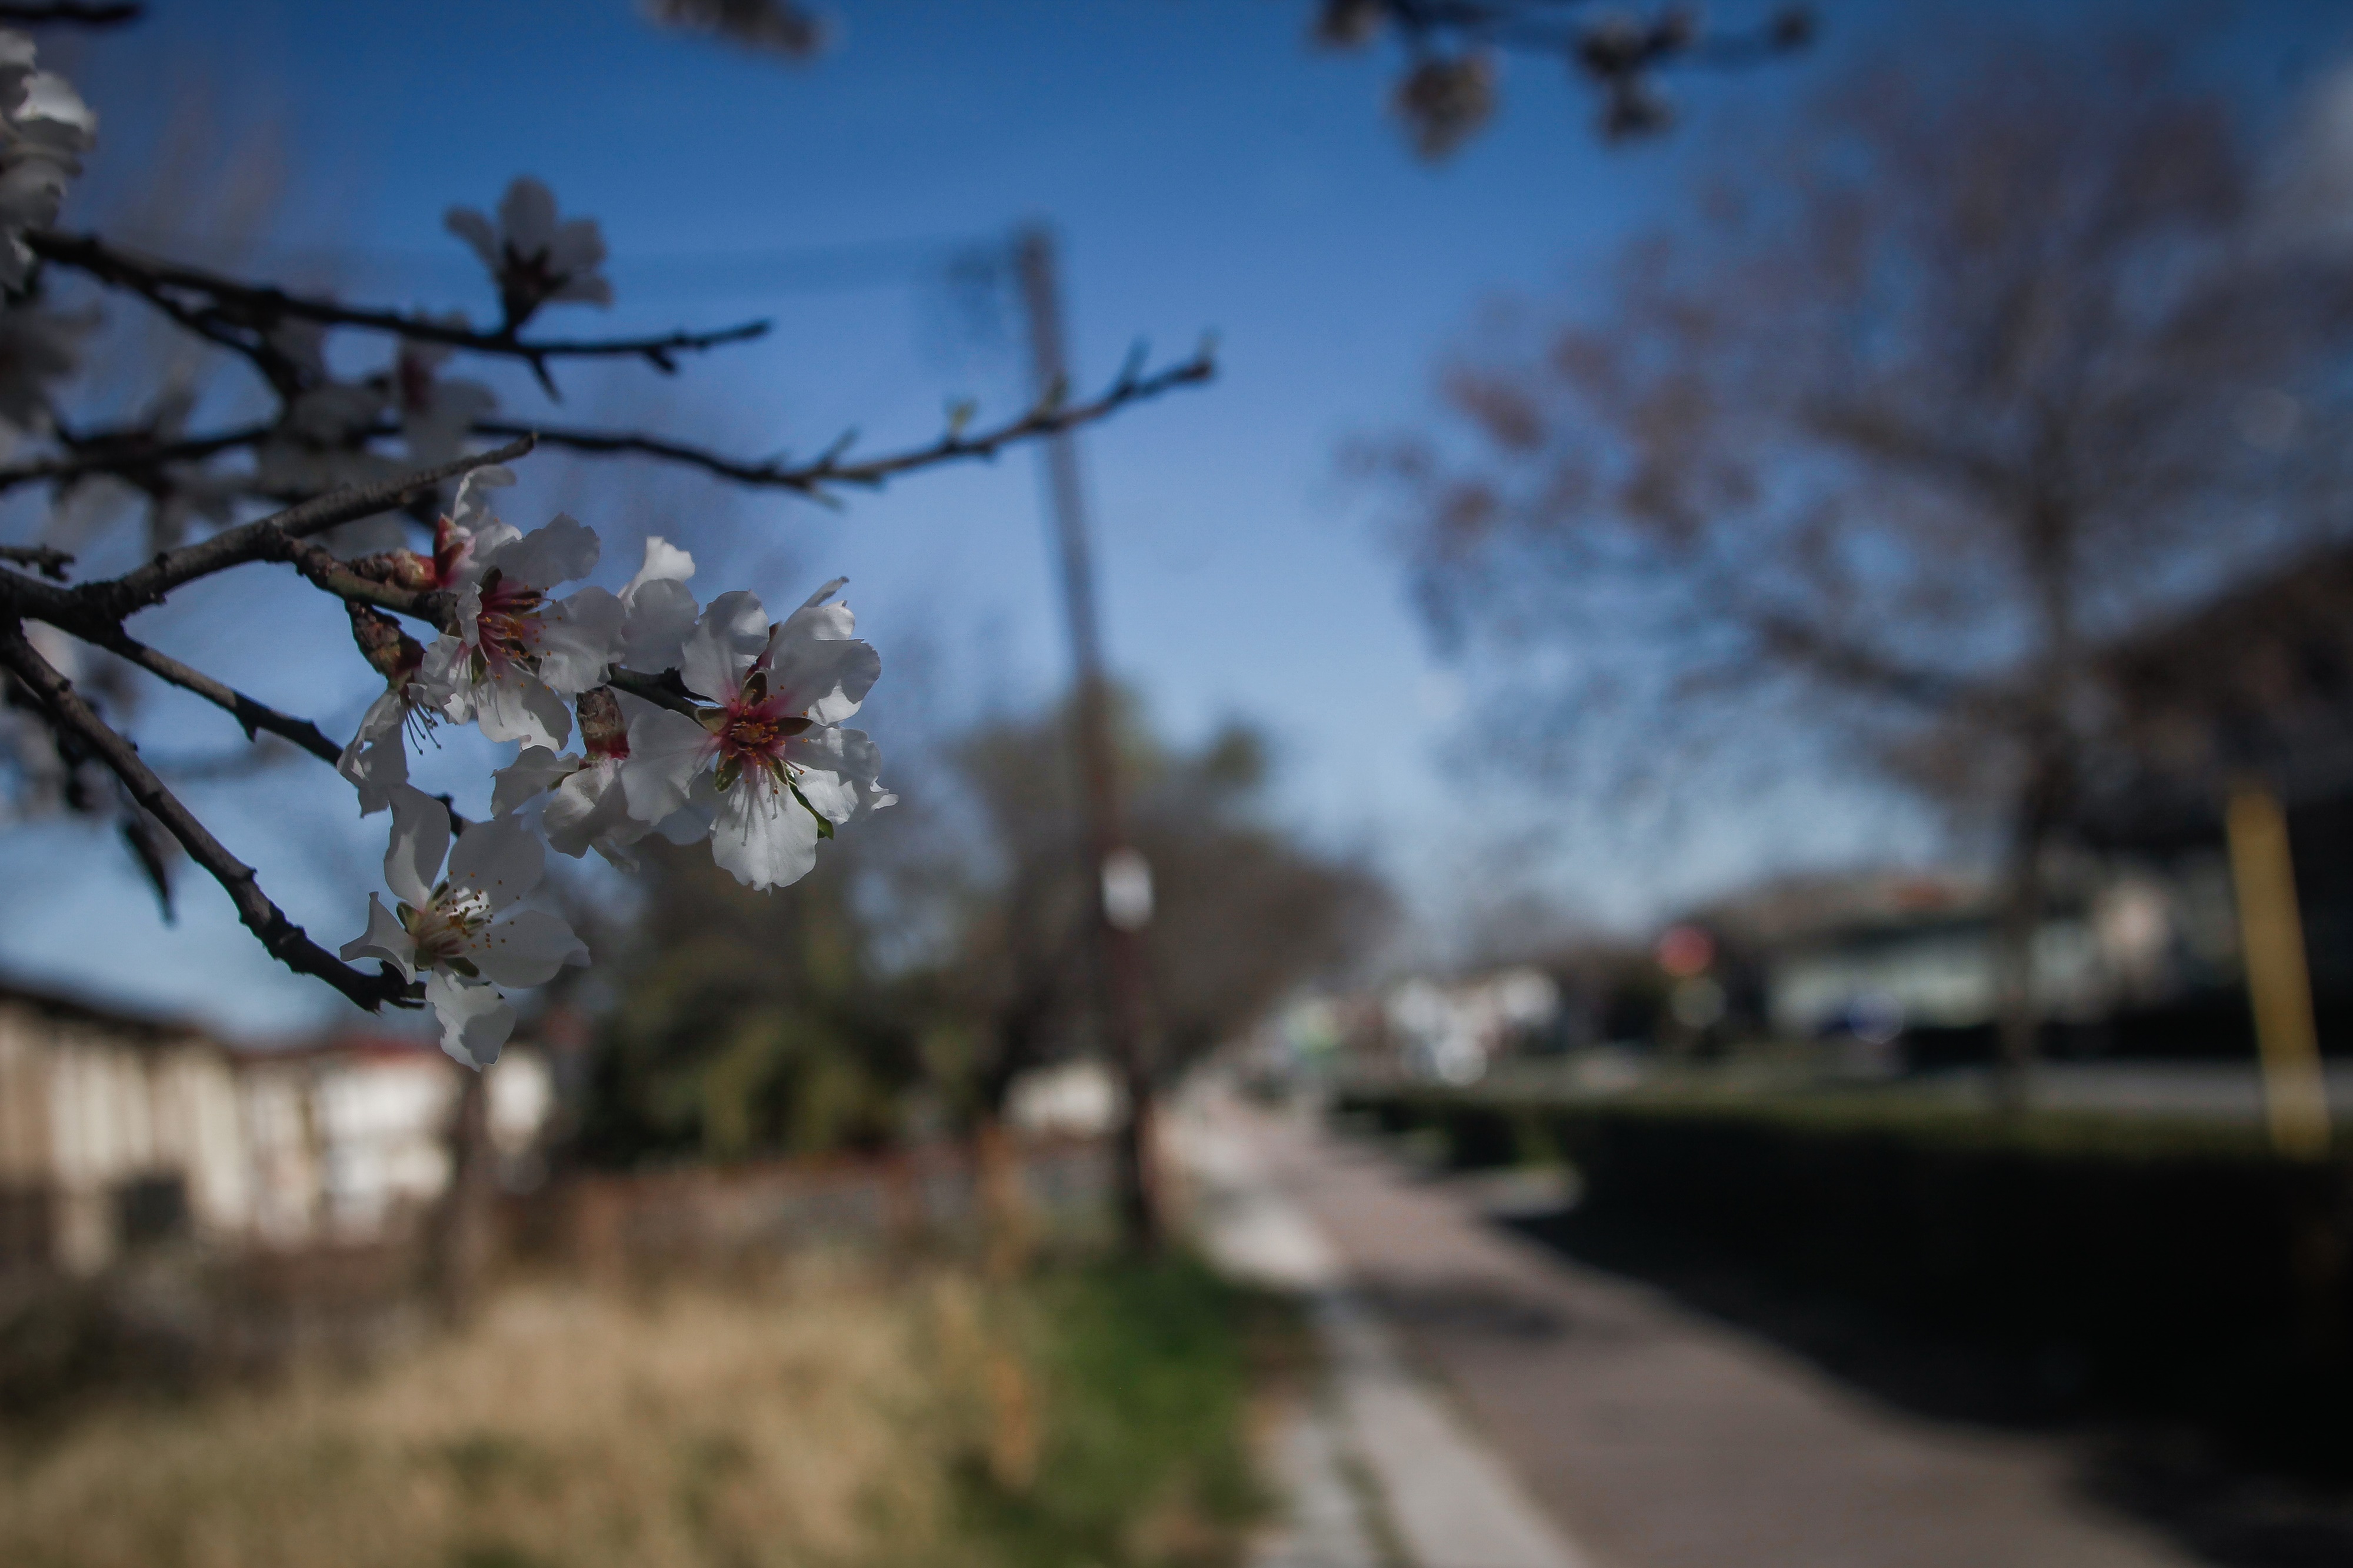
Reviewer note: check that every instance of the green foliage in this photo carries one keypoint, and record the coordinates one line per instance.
(1147, 1370)
(2187, 1268)
(750, 1024)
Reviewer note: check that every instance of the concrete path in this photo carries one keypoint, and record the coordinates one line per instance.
(1380, 1473)
(1650, 1436)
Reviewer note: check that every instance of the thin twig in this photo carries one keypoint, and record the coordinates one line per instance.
(123, 452)
(664, 690)
(234, 306)
(285, 940)
(250, 715)
(48, 560)
(132, 451)
(266, 538)
(809, 478)
(69, 13)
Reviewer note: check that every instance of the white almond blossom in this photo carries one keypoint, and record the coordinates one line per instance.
(535, 259)
(770, 747)
(516, 654)
(661, 607)
(37, 346)
(376, 760)
(45, 128)
(435, 414)
(589, 809)
(447, 928)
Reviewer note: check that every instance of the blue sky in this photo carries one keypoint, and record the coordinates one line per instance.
(1207, 173)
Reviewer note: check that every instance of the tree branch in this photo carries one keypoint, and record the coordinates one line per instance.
(132, 451)
(69, 13)
(269, 538)
(664, 690)
(815, 478)
(250, 715)
(285, 940)
(229, 308)
(48, 561)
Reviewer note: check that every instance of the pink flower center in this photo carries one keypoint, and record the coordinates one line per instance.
(756, 732)
(509, 622)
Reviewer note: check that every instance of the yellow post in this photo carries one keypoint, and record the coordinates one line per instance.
(2270, 935)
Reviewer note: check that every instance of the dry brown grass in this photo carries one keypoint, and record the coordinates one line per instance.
(815, 1420)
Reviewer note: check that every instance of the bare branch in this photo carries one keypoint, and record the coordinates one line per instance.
(815, 478)
(238, 315)
(250, 715)
(48, 560)
(69, 13)
(127, 453)
(285, 940)
(132, 454)
(269, 538)
(664, 690)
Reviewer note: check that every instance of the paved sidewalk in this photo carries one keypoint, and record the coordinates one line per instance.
(1378, 1468)
(1652, 1438)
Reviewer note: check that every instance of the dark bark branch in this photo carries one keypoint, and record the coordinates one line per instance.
(134, 452)
(815, 478)
(48, 561)
(1854, 667)
(269, 538)
(236, 313)
(69, 13)
(250, 715)
(126, 452)
(664, 690)
(285, 940)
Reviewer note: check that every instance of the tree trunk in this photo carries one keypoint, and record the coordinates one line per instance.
(1132, 1167)
(2019, 1010)
(459, 1237)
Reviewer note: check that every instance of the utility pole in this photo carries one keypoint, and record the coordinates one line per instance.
(1115, 871)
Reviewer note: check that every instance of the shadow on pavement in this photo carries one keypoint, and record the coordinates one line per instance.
(2208, 1497)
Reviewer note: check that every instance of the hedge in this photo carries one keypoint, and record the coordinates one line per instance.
(2182, 1264)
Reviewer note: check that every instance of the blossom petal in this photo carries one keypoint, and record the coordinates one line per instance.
(720, 649)
(826, 678)
(533, 773)
(667, 748)
(591, 808)
(421, 837)
(664, 563)
(475, 1019)
(763, 837)
(374, 767)
(512, 705)
(578, 639)
(377, 757)
(527, 214)
(500, 859)
(385, 938)
(662, 613)
(442, 681)
(839, 767)
(577, 245)
(564, 550)
(527, 950)
(470, 225)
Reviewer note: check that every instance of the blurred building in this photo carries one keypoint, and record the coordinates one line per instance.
(120, 1130)
(1454, 1031)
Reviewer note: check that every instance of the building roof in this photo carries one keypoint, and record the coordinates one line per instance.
(134, 1025)
(2257, 680)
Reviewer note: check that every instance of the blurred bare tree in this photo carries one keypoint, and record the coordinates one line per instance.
(748, 1025)
(1447, 90)
(1983, 366)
